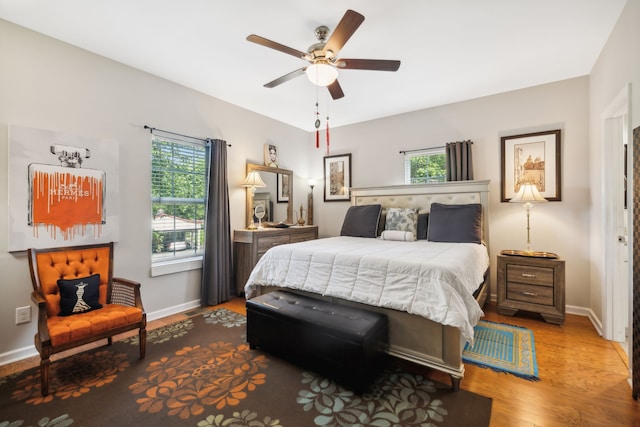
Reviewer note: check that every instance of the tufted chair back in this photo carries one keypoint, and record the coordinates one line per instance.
(66, 263)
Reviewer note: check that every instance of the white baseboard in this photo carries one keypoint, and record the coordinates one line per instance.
(576, 310)
(30, 351)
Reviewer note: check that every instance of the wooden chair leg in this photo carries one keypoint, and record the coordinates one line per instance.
(44, 376)
(109, 340)
(143, 342)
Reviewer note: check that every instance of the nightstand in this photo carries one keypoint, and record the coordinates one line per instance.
(250, 245)
(531, 284)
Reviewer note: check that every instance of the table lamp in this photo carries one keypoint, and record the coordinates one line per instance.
(528, 195)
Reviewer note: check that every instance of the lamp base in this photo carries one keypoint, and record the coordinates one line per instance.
(535, 254)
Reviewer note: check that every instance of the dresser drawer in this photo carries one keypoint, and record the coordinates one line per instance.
(541, 276)
(266, 243)
(302, 237)
(530, 293)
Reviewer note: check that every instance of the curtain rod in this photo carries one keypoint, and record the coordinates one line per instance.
(420, 149)
(152, 129)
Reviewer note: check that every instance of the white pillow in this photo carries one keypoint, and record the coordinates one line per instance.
(405, 236)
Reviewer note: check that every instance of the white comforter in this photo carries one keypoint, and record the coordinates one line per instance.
(433, 280)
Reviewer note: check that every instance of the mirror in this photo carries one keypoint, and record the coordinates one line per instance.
(276, 197)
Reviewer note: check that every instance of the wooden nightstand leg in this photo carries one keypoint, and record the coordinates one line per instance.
(551, 318)
(507, 311)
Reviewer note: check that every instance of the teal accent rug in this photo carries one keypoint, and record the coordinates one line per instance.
(503, 348)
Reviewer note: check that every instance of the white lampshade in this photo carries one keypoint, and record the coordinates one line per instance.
(321, 74)
(253, 180)
(528, 193)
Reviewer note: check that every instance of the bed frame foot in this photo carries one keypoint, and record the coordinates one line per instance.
(455, 383)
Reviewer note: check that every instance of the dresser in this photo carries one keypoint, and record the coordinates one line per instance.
(250, 245)
(531, 284)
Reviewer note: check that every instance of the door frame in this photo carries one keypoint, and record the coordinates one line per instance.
(612, 201)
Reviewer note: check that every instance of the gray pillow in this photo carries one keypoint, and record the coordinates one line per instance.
(423, 223)
(361, 221)
(455, 223)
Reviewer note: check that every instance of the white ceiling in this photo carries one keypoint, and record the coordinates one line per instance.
(451, 50)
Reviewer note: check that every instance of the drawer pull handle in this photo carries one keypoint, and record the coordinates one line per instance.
(529, 294)
(532, 276)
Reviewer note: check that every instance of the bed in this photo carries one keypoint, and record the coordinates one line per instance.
(430, 328)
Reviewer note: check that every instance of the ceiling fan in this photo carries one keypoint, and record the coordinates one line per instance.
(323, 56)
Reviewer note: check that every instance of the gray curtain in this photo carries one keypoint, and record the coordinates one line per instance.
(459, 161)
(217, 269)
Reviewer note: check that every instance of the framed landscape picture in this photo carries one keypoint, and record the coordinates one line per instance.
(337, 178)
(532, 158)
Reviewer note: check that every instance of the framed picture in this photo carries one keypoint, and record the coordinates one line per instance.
(271, 155)
(283, 188)
(532, 158)
(337, 178)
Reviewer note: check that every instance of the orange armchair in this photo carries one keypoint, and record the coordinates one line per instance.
(118, 309)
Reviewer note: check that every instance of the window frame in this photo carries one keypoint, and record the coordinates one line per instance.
(426, 152)
(170, 256)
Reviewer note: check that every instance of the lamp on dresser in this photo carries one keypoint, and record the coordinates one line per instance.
(252, 181)
(312, 183)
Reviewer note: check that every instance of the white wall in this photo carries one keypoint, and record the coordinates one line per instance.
(47, 84)
(560, 227)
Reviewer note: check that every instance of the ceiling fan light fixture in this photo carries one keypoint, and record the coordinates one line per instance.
(321, 74)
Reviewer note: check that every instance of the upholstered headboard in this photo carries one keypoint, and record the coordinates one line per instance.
(421, 196)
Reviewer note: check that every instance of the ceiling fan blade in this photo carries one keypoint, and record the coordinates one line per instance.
(277, 46)
(335, 90)
(343, 32)
(368, 64)
(286, 77)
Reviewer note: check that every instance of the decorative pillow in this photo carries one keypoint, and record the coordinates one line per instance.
(79, 295)
(405, 236)
(455, 223)
(403, 219)
(382, 221)
(423, 223)
(361, 221)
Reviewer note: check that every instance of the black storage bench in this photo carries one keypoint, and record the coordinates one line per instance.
(344, 343)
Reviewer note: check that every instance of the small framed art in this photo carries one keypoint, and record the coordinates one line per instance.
(532, 158)
(337, 178)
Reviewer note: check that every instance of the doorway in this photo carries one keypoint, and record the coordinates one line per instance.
(617, 283)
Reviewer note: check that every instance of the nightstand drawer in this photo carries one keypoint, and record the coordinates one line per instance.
(530, 293)
(302, 237)
(266, 243)
(542, 276)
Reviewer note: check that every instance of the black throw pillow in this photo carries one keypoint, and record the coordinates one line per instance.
(79, 295)
(361, 221)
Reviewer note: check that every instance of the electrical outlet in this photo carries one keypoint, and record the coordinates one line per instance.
(23, 315)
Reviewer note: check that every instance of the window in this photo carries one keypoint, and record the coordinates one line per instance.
(178, 198)
(425, 166)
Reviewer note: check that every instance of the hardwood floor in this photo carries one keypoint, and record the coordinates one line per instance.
(583, 378)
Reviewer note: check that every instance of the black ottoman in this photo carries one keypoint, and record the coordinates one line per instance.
(340, 342)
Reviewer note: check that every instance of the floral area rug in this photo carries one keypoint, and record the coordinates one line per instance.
(201, 372)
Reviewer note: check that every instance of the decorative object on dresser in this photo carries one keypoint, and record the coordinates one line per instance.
(533, 284)
(250, 245)
(528, 194)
